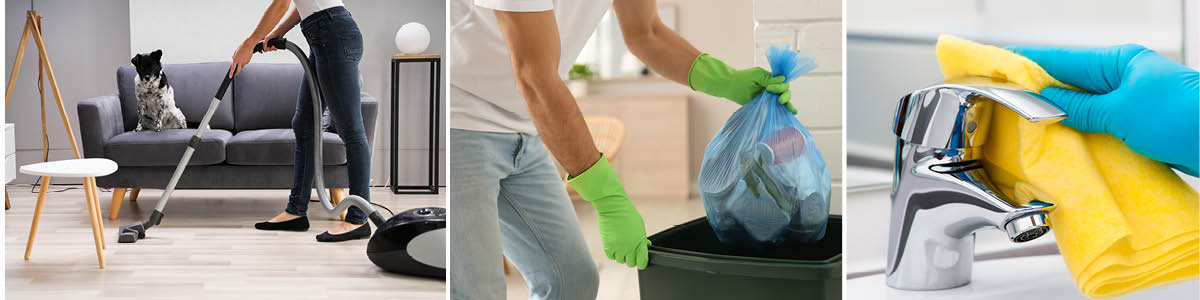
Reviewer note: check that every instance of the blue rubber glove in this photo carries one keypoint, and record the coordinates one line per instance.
(1133, 93)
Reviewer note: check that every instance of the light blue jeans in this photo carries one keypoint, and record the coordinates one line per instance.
(506, 194)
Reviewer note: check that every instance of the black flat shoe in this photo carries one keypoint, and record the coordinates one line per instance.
(297, 224)
(362, 232)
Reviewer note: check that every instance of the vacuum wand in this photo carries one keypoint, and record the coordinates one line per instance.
(130, 233)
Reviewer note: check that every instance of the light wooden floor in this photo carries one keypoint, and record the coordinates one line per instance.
(618, 282)
(206, 248)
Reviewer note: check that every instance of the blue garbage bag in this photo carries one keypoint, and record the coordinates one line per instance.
(762, 180)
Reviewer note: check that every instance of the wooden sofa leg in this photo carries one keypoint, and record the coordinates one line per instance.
(133, 194)
(7, 204)
(336, 195)
(118, 196)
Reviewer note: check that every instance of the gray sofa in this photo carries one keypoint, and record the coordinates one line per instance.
(250, 146)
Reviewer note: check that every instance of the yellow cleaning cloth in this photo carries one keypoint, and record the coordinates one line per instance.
(1123, 222)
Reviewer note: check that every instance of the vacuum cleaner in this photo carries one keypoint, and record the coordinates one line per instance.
(412, 242)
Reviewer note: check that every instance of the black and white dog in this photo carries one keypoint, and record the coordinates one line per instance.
(155, 97)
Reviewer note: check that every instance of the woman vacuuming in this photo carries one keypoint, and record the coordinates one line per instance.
(335, 47)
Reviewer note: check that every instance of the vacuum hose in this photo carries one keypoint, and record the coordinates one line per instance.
(130, 233)
(318, 178)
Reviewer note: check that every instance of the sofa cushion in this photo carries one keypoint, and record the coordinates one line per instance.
(267, 96)
(165, 148)
(278, 147)
(194, 84)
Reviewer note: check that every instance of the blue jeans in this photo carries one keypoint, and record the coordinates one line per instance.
(507, 195)
(335, 48)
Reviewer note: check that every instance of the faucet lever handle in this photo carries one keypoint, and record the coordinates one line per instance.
(1031, 106)
(952, 115)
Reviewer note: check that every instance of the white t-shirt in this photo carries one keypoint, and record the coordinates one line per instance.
(308, 7)
(483, 88)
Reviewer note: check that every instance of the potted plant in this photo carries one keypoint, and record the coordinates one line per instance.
(578, 77)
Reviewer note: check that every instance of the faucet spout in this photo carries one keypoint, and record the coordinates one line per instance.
(938, 204)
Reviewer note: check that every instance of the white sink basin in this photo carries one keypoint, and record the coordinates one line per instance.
(1031, 277)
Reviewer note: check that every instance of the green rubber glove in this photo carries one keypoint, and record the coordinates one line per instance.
(712, 76)
(621, 228)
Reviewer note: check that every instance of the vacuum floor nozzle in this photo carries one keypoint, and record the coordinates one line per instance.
(131, 233)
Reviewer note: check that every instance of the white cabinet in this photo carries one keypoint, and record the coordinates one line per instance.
(653, 160)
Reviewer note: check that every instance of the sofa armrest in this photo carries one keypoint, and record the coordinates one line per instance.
(370, 111)
(100, 118)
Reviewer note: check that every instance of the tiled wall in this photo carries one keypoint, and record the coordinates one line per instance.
(814, 26)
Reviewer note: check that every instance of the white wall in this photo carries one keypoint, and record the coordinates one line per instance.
(814, 26)
(210, 30)
(1191, 31)
(723, 29)
(86, 42)
(1155, 24)
(378, 20)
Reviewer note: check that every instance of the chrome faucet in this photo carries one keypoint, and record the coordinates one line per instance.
(941, 193)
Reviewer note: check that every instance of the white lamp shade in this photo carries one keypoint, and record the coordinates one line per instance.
(412, 38)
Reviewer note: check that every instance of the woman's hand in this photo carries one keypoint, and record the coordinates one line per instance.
(268, 47)
(241, 57)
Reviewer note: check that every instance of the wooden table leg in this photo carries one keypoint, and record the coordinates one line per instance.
(335, 196)
(96, 210)
(91, 210)
(37, 214)
(118, 196)
(95, 219)
(133, 194)
(342, 192)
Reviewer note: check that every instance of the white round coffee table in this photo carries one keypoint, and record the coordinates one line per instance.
(87, 169)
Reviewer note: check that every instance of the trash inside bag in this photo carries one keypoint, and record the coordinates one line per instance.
(762, 180)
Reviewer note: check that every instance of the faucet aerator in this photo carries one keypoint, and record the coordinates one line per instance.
(1031, 234)
(1027, 228)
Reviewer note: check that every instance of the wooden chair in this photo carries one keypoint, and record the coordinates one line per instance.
(608, 133)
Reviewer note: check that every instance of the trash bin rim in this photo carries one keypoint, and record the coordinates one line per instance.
(743, 265)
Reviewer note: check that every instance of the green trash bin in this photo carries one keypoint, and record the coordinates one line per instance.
(688, 262)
